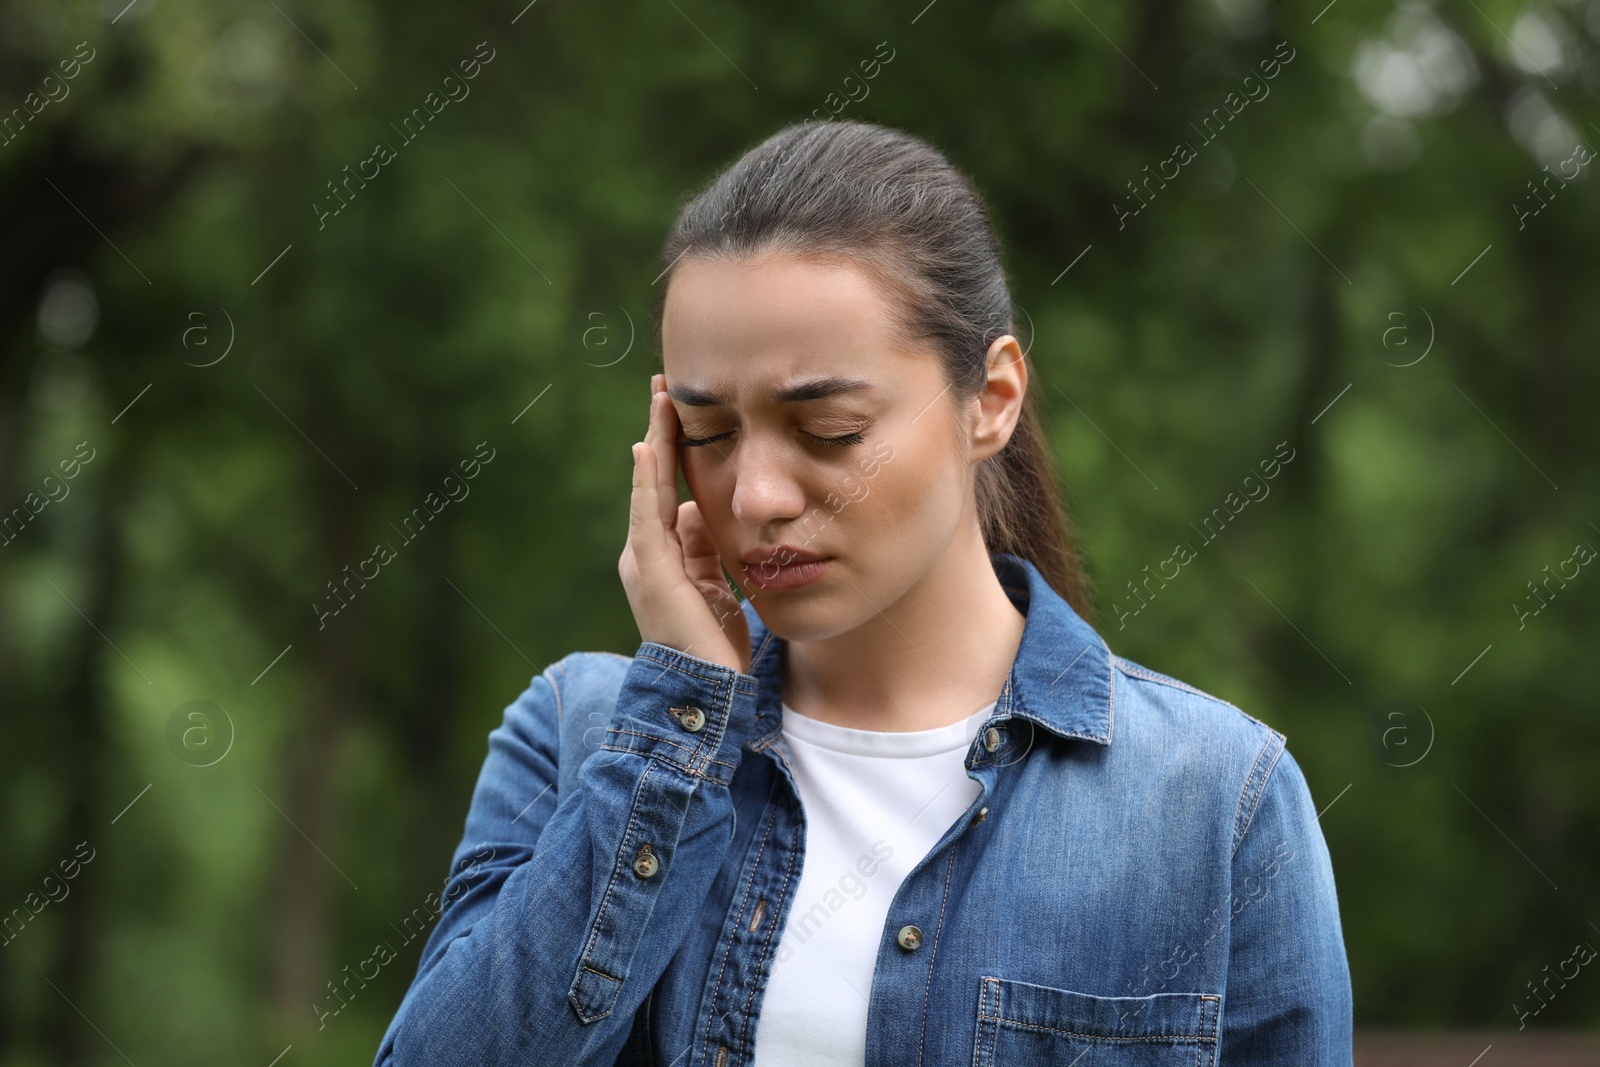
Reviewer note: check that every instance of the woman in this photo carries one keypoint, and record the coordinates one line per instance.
(901, 804)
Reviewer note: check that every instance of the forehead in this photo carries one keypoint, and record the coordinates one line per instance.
(746, 326)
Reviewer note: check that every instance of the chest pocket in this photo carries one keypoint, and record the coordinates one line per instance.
(1025, 1025)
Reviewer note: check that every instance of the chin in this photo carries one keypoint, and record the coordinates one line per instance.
(789, 626)
(813, 619)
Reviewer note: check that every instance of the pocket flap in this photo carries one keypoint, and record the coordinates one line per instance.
(1158, 1017)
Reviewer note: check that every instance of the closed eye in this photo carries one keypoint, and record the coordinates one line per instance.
(695, 442)
(844, 441)
(848, 439)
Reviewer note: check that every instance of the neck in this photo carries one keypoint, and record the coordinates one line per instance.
(931, 658)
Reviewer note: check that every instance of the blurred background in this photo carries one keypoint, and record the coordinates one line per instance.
(282, 282)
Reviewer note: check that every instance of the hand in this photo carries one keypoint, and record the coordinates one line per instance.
(670, 567)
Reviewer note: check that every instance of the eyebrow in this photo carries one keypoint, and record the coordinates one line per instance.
(811, 389)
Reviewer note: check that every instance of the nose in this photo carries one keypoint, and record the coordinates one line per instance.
(765, 488)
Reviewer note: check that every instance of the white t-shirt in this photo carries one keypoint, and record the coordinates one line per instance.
(875, 802)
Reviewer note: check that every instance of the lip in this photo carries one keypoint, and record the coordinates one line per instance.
(763, 571)
(783, 554)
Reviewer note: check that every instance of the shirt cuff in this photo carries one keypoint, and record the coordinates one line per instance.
(686, 711)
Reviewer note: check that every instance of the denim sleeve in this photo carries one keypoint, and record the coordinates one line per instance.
(1288, 998)
(562, 912)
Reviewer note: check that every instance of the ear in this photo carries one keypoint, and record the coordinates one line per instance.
(999, 403)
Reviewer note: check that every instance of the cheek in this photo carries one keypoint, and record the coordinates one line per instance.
(908, 500)
(701, 477)
(710, 486)
(910, 489)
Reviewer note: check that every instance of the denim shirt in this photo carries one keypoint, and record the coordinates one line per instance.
(1141, 881)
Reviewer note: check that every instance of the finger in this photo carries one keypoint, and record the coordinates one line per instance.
(664, 444)
(700, 559)
(644, 525)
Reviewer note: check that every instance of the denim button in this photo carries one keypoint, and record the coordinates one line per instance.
(991, 738)
(690, 718)
(910, 937)
(983, 813)
(645, 863)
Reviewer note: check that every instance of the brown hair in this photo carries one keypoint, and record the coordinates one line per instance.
(896, 207)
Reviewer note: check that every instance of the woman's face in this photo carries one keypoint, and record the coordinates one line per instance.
(862, 463)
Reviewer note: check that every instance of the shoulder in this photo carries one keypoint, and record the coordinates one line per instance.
(1137, 684)
(584, 667)
(565, 690)
(1196, 737)
(561, 716)
(580, 677)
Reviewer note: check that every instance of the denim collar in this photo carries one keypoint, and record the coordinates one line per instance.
(1060, 679)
